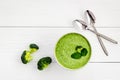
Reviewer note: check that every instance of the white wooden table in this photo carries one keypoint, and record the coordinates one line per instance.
(43, 22)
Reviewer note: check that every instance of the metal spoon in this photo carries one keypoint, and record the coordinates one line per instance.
(92, 22)
(85, 27)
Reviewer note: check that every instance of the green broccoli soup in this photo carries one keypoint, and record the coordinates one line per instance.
(72, 51)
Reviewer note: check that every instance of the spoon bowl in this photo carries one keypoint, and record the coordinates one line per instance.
(79, 23)
(91, 16)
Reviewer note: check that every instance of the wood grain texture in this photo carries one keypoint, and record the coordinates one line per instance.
(93, 71)
(57, 12)
(46, 38)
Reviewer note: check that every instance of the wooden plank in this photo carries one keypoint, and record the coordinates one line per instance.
(57, 13)
(92, 71)
(14, 40)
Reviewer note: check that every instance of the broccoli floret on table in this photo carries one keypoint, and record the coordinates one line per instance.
(26, 57)
(44, 63)
(33, 48)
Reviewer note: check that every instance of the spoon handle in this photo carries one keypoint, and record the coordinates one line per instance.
(100, 40)
(103, 36)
